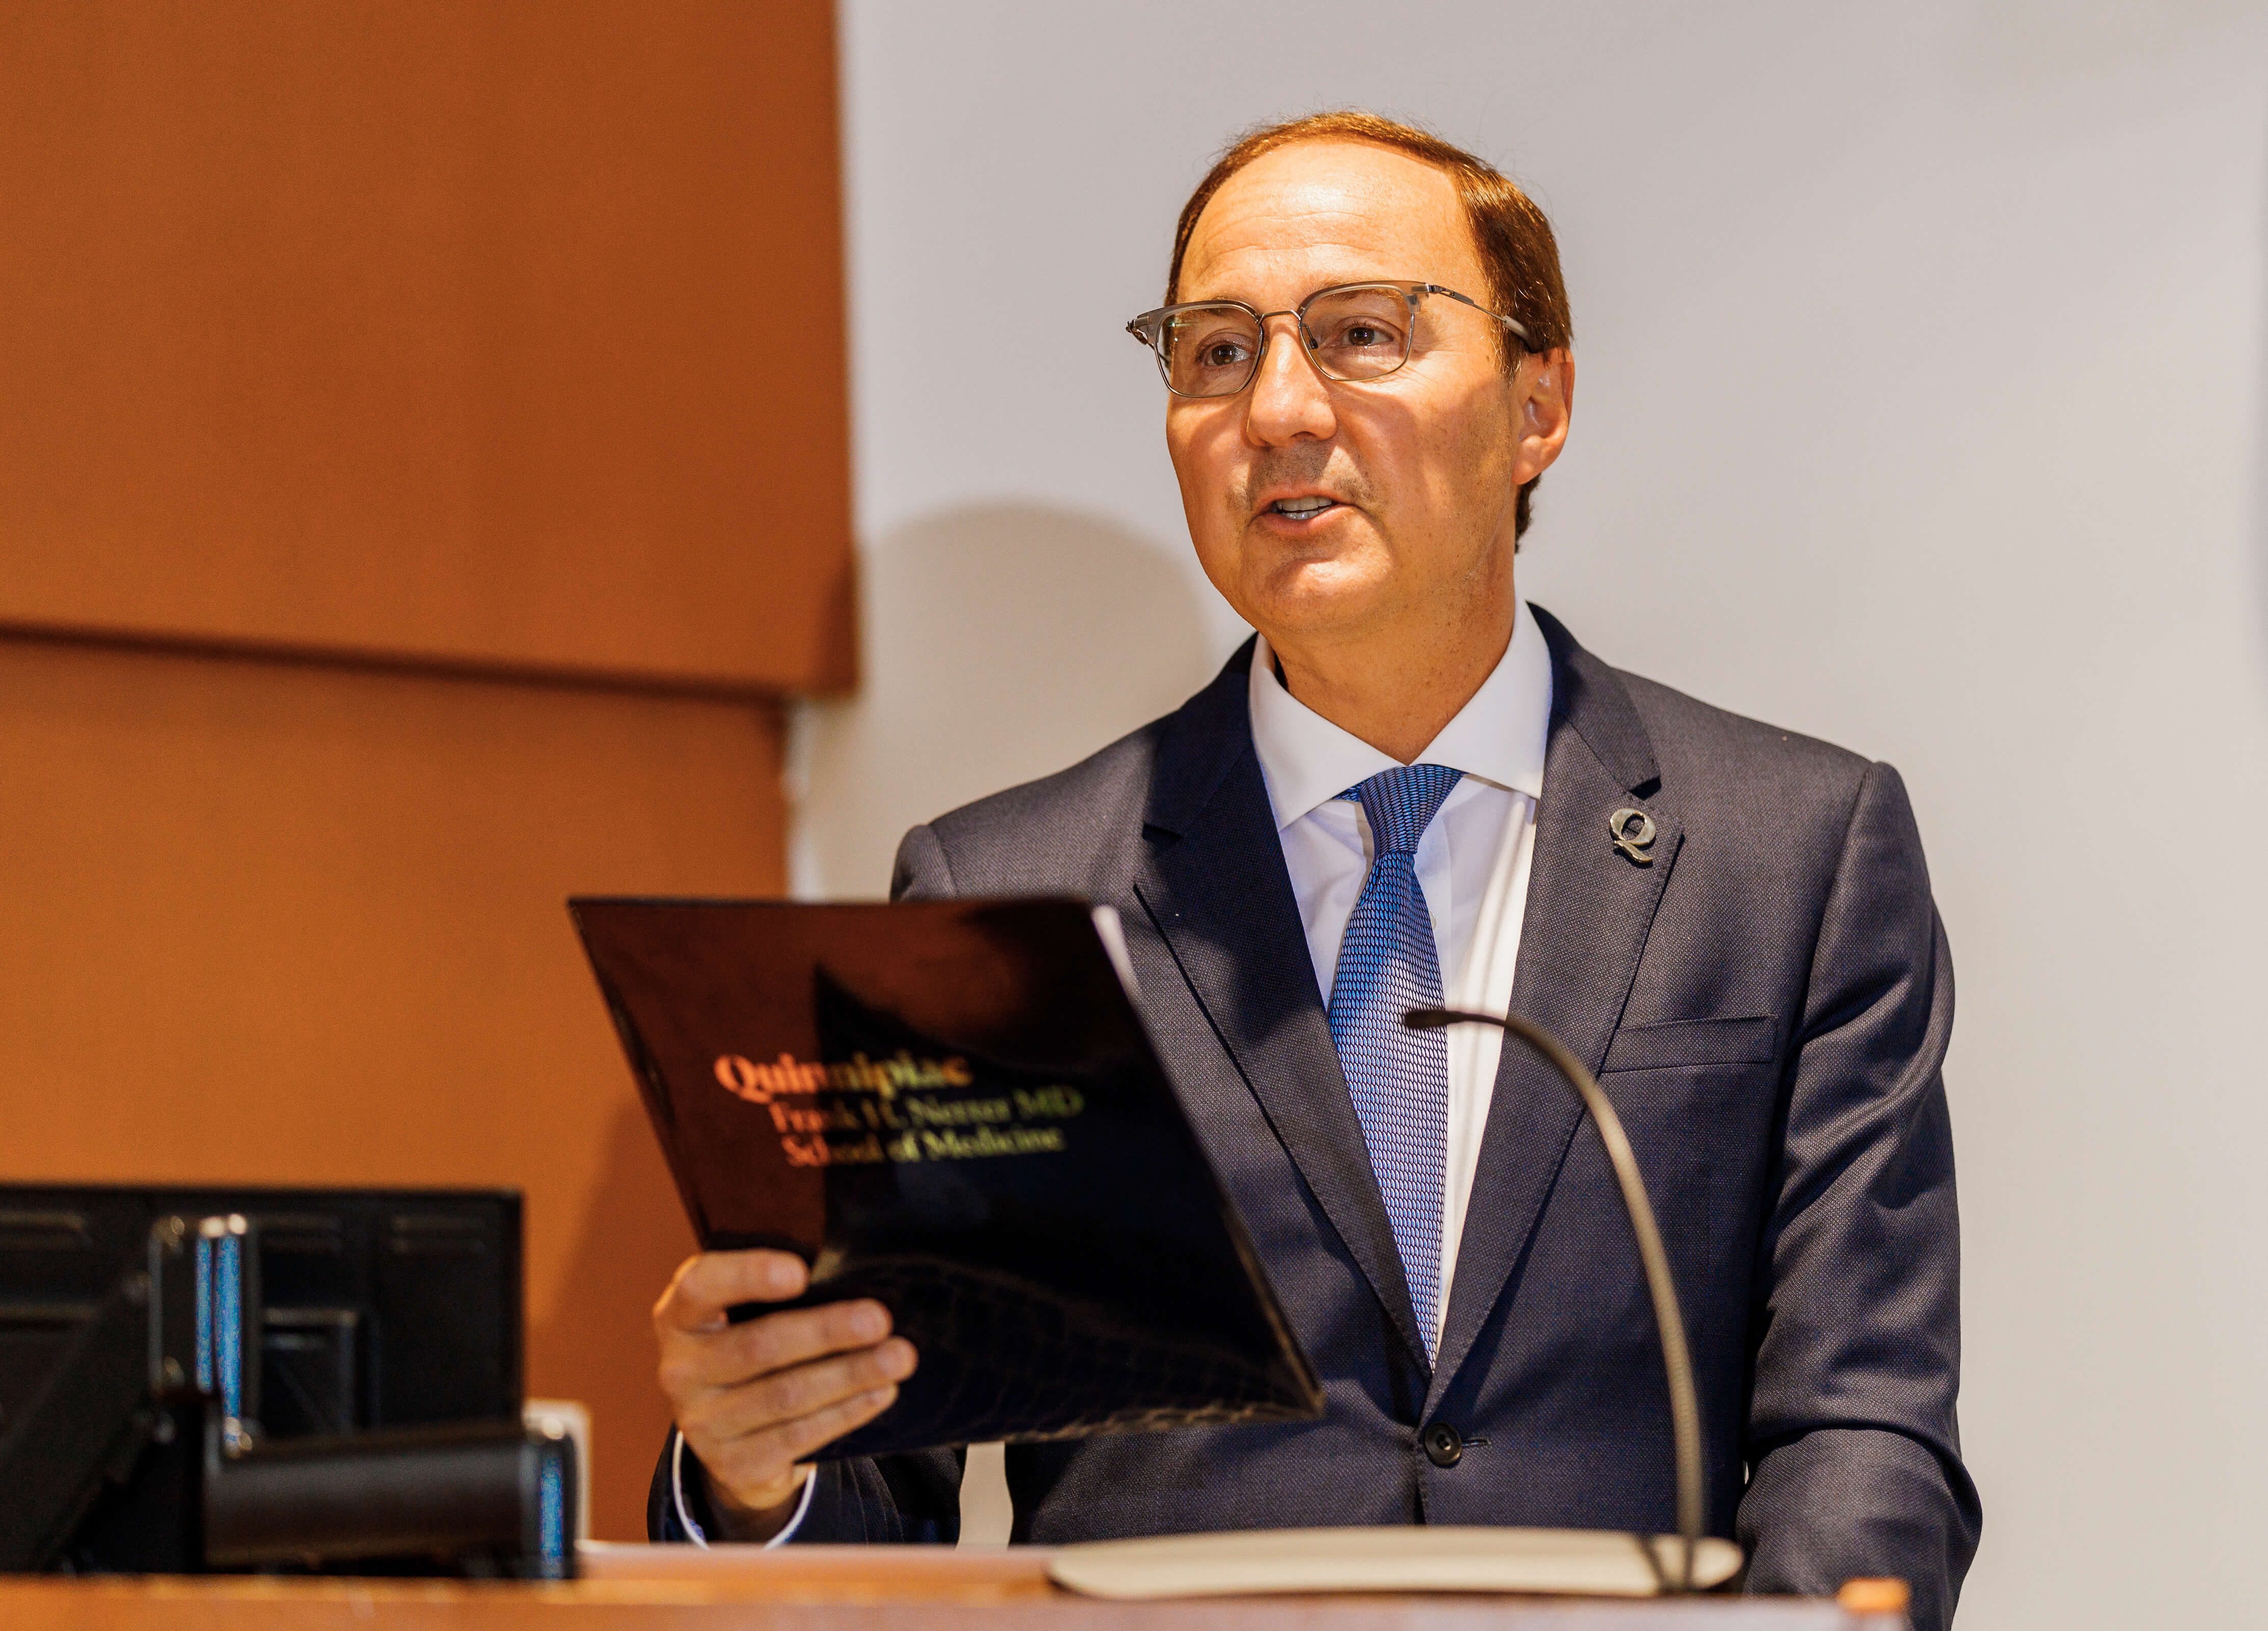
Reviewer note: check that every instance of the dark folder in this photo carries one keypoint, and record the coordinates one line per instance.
(952, 1107)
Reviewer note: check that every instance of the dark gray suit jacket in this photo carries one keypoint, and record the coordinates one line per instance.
(1767, 1002)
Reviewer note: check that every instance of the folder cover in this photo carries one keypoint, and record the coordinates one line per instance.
(952, 1107)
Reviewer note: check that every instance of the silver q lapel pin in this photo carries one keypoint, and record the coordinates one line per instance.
(1632, 830)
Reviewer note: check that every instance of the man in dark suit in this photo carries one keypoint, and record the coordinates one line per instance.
(1412, 788)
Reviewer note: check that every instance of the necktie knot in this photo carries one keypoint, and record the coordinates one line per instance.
(1402, 802)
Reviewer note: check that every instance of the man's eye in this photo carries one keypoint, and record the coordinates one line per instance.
(1362, 335)
(1221, 354)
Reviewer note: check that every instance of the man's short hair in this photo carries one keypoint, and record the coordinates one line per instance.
(1515, 241)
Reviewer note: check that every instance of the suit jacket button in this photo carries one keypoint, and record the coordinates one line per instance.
(1443, 1447)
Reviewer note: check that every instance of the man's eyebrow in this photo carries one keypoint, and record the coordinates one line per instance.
(1323, 280)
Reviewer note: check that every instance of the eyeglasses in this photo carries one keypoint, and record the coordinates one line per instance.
(1352, 331)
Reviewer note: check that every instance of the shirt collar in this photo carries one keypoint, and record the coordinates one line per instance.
(1497, 736)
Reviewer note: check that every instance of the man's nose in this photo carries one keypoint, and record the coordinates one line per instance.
(1289, 399)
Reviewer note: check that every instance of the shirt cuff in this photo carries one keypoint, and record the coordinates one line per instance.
(697, 1534)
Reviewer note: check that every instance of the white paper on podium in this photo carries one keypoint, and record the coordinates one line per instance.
(1566, 1562)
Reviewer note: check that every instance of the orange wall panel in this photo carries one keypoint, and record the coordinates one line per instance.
(270, 922)
(465, 331)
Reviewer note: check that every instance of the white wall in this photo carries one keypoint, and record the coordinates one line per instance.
(1921, 361)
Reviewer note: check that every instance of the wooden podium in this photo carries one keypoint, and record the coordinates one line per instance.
(832, 1589)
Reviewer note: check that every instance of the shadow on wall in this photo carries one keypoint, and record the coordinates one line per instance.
(1001, 643)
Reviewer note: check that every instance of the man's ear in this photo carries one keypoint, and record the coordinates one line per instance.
(1543, 388)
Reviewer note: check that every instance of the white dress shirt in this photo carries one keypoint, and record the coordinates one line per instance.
(1472, 862)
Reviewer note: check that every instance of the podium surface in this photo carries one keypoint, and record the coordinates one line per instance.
(629, 1588)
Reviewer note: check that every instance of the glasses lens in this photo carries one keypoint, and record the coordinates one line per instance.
(1360, 333)
(1209, 350)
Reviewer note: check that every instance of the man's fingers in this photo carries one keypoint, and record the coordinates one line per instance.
(696, 1362)
(790, 1395)
(777, 1341)
(798, 1438)
(757, 1461)
(704, 1287)
(751, 1436)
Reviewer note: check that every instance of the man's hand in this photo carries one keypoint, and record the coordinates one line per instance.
(752, 1398)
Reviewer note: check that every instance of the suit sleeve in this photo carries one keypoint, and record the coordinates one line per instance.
(921, 871)
(1854, 1451)
(867, 1500)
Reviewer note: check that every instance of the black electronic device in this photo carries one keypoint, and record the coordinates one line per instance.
(240, 1378)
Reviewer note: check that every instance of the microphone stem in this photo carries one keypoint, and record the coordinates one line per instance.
(1669, 1323)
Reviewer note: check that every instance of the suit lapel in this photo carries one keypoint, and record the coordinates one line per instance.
(1588, 910)
(1215, 884)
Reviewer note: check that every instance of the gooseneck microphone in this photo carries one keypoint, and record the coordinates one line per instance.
(1669, 1323)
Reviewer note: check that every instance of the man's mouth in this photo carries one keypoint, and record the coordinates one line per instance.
(1303, 509)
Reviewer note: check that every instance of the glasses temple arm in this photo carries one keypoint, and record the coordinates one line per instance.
(1511, 324)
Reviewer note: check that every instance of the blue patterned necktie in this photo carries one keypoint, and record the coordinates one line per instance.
(1398, 1078)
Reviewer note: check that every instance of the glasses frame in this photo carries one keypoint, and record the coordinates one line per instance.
(1150, 330)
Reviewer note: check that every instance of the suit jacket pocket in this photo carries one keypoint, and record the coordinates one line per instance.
(1748, 1040)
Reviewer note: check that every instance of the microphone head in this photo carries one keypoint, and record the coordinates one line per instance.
(1427, 1019)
